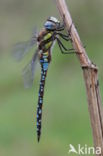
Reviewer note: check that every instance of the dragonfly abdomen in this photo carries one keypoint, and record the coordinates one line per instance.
(44, 61)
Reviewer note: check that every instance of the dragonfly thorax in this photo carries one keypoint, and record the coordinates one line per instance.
(45, 40)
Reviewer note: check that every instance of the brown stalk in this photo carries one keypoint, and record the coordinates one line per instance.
(90, 73)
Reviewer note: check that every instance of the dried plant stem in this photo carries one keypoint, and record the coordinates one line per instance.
(90, 73)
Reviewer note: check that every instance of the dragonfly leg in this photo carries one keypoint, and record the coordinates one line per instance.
(69, 31)
(67, 51)
(65, 37)
(62, 48)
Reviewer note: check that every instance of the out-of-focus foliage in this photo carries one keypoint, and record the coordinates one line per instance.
(65, 111)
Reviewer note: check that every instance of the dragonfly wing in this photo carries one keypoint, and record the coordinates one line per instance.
(29, 70)
(22, 48)
(35, 32)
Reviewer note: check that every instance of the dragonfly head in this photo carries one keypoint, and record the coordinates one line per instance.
(53, 24)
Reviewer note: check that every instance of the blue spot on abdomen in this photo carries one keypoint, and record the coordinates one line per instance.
(45, 66)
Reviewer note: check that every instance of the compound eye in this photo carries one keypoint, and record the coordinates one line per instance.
(49, 25)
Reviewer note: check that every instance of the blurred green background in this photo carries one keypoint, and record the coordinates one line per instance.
(65, 111)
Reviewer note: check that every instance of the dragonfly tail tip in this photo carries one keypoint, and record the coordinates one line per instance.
(38, 138)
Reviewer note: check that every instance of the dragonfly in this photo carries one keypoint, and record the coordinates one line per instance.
(45, 39)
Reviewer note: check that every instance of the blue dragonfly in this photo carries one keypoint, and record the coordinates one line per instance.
(45, 39)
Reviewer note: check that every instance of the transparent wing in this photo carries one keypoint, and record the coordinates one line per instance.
(35, 32)
(22, 48)
(29, 70)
